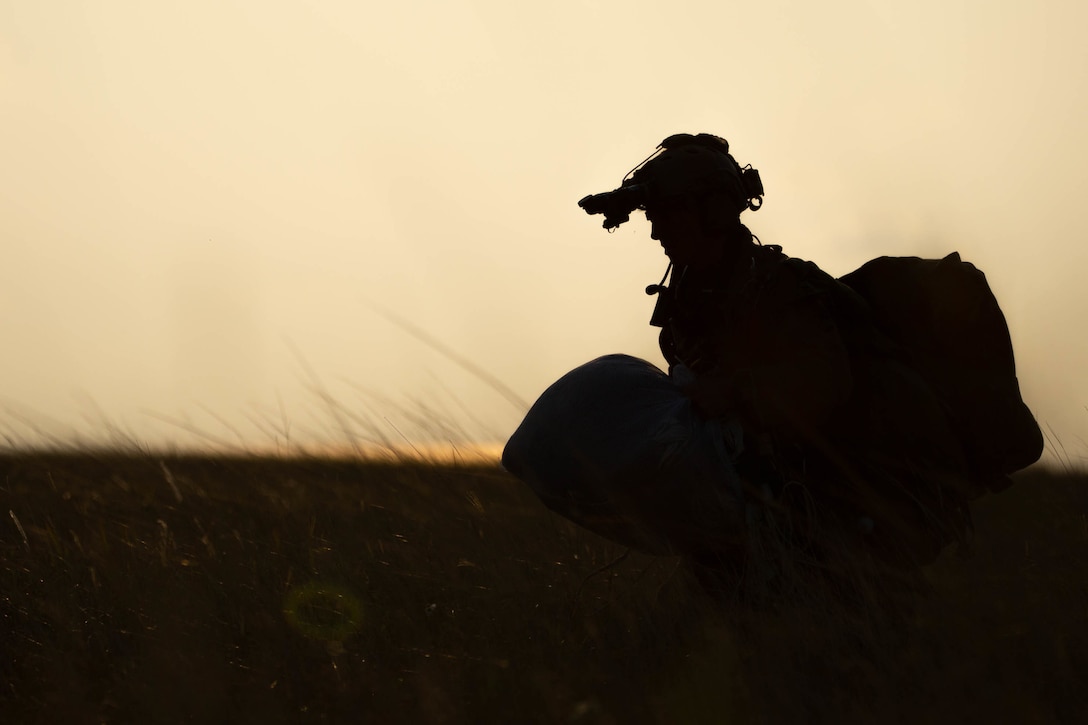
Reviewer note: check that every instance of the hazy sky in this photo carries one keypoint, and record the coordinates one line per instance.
(204, 203)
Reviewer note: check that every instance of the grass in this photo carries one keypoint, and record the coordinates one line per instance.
(139, 588)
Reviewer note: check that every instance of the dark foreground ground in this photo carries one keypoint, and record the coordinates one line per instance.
(143, 590)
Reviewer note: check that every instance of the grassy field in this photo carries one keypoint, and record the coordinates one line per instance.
(185, 589)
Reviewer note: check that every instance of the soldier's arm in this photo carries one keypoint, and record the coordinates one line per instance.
(799, 370)
(803, 375)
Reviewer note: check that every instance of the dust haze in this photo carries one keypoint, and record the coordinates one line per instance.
(202, 205)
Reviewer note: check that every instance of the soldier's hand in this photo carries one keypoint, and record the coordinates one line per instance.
(717, 396)
(711, 396)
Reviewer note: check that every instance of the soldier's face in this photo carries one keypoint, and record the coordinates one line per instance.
(676, 222)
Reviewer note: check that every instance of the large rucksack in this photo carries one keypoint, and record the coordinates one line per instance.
(943, 314)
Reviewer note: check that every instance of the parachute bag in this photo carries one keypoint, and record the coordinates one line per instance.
(945, 316)
(616, 447)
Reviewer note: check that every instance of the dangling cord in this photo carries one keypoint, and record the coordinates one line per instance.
(642, 163)
(660, 286)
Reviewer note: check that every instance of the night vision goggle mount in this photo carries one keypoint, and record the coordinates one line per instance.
(682, 164)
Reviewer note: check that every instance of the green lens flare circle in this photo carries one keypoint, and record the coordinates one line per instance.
(323, 611)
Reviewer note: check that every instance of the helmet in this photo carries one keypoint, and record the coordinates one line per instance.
(684, 164)
(694, 166)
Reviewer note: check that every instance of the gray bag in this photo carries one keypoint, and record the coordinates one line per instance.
(616, 447)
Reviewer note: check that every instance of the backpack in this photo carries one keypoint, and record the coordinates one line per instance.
(944, 315)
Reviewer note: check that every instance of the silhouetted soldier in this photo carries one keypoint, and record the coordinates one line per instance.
(843, 408)
(827, 396)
